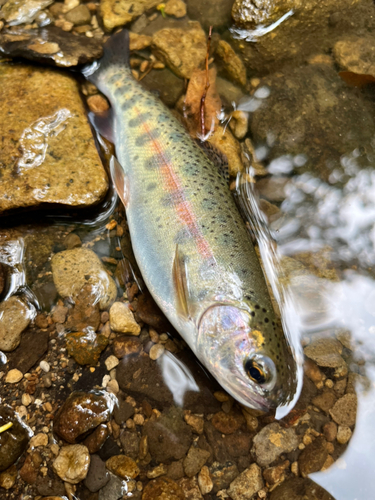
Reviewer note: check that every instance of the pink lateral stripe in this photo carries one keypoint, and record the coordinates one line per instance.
(183, 208)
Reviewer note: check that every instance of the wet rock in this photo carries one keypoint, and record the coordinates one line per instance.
(169, 437)
(248, 13)
(238, 444)
(123, 466)
(30, 469)
(15, 317)
(182, 50)
(15, 12)
(115, 14)
(210, 13)
(228, 145)
(356, 54)
(195, 422)
(275, 475)
(345, 410)
(3, 274)
(344, 433)
(176, 470)
(313, 457)
(195, 460)
(248, 483)
(232, 63)
(169, 86)
(13, 376)
(325, 401)
(74, 269)
(81, 413)
(123, 410)
(163, 487)
(156, 351)
(79, 16)
(14, 440)
(86, 347)
(227, 423)
(325, 352)
(273, 188)
(272, 441)
(85, 312)
(109, 449)
(204, 481)
(138, 42)
(190, 488)
(122, 319)
(330, 431)
(130, 443)
(96, 439)
(126, 346)
(49, 153)
(47, 486)
(97, 476)
(222, 475)
(175, 8)
(114, 489)
(72, 463)
(72, 241)
(33, 346)
(149, 313)
(300, 489)
(8, 478)
(217, 443)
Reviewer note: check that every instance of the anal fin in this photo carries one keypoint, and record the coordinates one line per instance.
(103, 124)
(181, 284)
(120, 181)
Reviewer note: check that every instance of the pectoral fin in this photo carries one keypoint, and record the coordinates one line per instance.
(181, 284)
(120, 181)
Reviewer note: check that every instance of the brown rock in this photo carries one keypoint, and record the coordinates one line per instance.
(85, 312)
(195, 460)
(123, 466)
(97, 103)
(96, 439)
(227, 423)
(163, 488)
(330, 431)
(222, 475)
(175, 8)
(115, 14)
(126, 346)
(313, 457)
(15, 317)
(8, 478)
(325, 401)
(345, 410)
(247, 483)
(59, 314)
(138, 42)
(86, 347)
(33, 346)
(275, 475)
(79, 16)
(12, 442)
(30, 469)
(356, 54)
(190, 488)
(233, 64)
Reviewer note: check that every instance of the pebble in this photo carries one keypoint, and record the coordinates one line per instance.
(195, 422)
(138, 42)
(59, 314)
(26, 399)
(163, 488)
(111, 362)
(272, 441)
(239, 125)
(39, 439)
(344, 433)
(312, 371)
(204, 481)
(313, 457)
(175, 8)
(8, 478)
(13, 376)
(195, 460)
(81, 412)
(325, 401)
(325, 352)
(126, 346)
(86, 347)
(248, 483)
(15, 317)
(96, 439)
(223, 474)
(123, 466)
(14, 441)
(73, 269)
(72, 463)
(232, 63)
(115, 488)
(122, 319)
(190, 488)
(97, 476)
(275, 475)
(156, 351)
(113, 386)
(97, 103)
(79, 16)
(131, 443)
(330, 431)
(227, 423)
(45, 366)
(158, 471)
(345, 410)
(30, 469)
(355, 54)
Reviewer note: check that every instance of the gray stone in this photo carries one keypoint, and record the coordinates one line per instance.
(114, 489)
(248, 483)
(97, 476)
(167, 84)
(272, 441)
(79, 16)
(222, 475)
(15, 317)
(195, 460)
(325, 352)
(345, 410)
(210, 13)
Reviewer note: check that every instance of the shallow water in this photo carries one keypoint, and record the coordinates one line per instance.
(313, 218)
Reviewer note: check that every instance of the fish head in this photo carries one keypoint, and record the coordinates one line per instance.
(259, 374)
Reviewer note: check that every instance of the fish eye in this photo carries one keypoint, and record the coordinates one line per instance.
(259, 369)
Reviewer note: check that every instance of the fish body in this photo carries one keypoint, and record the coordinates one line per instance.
(191, 244)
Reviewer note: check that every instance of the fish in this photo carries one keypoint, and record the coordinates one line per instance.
(190, 242)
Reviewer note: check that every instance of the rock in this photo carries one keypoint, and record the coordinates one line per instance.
(72, 463)
(176, 470)
(169, 437)
(111, 362)
(168, 86)
(195, 460)
(123, 466)
(114, 489)
(14, 440)
(248, 483)
(345, 410)
(275, 475)
(72, 241)
(97, 103)
(182, 50)
(313, 457)
(325, 401)
(356, 54)
(15, 317)
(13, 376)
(204, 481)
(79, 16)
(300, 489)
(130, 443)
(195, 422)
(273, 188)
(238, 444)
(232, 63)
(39, 439)
(80, 413)
(33, 346)
(96, 439)
(222, 475)
(245, 12)
(209, 13)
(85, 312)
(115, 14)
(3, 274)
(123, 410)
(74, 269)
(162, 488)
(59, 314)
(190, 488)
(97, 476)
(175, 8)
(30, 469)
(156, 351)
(15, 12)
(122, 319)
(86, 347)
(344, 433)
(138, 42)
(330, 431)
(325, 352)
(228, 145)
(272, 441)
(48, 140)
(125, 346)
(8, 478)
(227, 423)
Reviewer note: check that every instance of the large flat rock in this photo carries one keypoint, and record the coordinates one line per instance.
(47, 153)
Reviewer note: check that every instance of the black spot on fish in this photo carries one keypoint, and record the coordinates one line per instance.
(126, 105)
(143, 139)
(151, 186)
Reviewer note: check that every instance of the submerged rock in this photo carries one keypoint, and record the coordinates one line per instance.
(86, 347)
(74, 269)
(163, 487)
(356, 54)
(14, 440)
(72, 463)
(48, 153)
(300, 489)
(232, 62)
(210, 13)
(15, 317)
(249, 13)
(115, 13)
(272, 441)
(15, 12)
(248, 483)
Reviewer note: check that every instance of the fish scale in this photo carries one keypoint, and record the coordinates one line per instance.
(190, 242)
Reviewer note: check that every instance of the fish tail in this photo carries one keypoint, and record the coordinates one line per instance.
(115, 54)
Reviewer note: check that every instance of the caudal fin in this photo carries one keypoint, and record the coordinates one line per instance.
(115, 53)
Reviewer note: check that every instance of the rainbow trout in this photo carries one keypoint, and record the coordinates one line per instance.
(190, 242)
